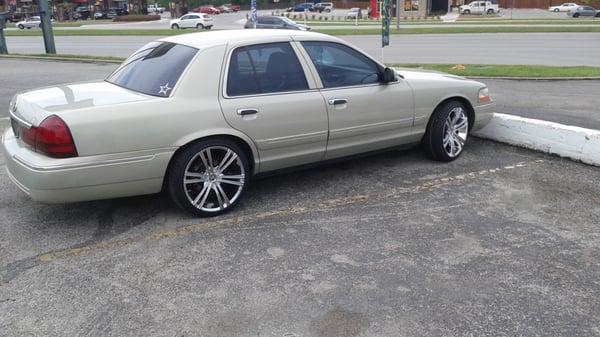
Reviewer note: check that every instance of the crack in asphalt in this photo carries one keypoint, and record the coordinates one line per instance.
(104, 231)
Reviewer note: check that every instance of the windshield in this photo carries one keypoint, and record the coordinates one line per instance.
(154, 69)
(288, 21)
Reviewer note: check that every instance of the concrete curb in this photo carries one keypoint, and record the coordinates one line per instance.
(534, 78)
(563, 140)
(4, 123)
(58, 58)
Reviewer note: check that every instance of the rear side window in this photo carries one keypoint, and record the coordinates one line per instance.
(264, 68)
(154, 69)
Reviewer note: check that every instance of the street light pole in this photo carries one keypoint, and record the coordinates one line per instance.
(46, 16)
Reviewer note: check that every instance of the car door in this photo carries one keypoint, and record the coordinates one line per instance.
(184, 21)
(364, 113)
(270, 95)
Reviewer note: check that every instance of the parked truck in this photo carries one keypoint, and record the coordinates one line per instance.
(480, 7)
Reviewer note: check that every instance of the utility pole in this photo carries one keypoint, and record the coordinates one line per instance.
(397, 14)
(46, 16)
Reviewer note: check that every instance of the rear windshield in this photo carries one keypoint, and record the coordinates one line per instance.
(154, 69)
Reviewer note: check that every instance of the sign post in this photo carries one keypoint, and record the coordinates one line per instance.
(253, 15)
(385, 24)
(3, 48)
(46, 16)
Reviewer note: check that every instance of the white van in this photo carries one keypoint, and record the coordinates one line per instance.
(480, 7)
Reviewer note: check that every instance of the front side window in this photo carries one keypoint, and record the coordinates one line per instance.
(154, 69)
(264, 68)
(341, 66)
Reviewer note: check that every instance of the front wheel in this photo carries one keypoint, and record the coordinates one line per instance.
(21, 27)
(208, 177)
(467, 12)
(556, 10)
(447, 132)
(490, 11)
(576, 15)
(175, 26)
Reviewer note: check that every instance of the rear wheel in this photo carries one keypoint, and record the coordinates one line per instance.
(490, 11)
(174, 26)
(21, 27)
(447, 133)
(209, 177)
(576, 15)
(199, 26)
(556, 10)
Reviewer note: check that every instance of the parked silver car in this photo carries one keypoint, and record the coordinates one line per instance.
(30, 22)
(584, 11)
(199, 114)
(275, 22)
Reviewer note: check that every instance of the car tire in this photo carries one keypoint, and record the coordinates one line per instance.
(598, 15)
(576, 15)
(467, 12)
(199, 26)
(490, 11)
(205, 163)
(447, 132)
(556, 10)
(208, 27)
(21, 27)
(174, 26)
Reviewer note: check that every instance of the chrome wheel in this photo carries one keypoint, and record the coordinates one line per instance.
(214, 179)
(456, 129)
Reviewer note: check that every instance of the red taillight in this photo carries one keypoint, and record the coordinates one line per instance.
(52, 138)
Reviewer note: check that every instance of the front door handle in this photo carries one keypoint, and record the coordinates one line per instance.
(247, 111)
(338, 101)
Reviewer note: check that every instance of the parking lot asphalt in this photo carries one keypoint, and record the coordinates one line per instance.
(568, 102)
(501, 242)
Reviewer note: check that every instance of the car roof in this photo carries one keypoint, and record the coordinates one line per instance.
(217, 38)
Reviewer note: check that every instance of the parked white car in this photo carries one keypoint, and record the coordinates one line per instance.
(30, 22)
(480, 7)
(193, 20)
(354, 13)
(566, 7)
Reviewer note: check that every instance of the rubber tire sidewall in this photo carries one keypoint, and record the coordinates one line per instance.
(199, 26)
(175, 26)
(433, 141)
(177, 171)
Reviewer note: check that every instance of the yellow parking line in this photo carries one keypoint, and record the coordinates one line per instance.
(322, 205)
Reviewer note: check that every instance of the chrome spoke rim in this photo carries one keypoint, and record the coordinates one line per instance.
(456, 129)
(214, 179)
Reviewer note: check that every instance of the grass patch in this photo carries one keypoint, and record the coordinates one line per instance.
(65, 57)
(81, 23)
(332, 31)
(480, 70)
(465, 30)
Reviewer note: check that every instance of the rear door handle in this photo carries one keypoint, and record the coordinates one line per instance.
(247, 111)
(337, 101)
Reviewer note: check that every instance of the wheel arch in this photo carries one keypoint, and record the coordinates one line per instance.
(458, 98)
(242, 141)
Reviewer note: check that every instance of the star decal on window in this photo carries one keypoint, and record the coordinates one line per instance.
(164, 89)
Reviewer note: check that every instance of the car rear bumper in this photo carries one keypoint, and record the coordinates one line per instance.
(52, 180)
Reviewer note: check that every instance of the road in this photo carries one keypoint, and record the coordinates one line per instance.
(567, 102)
(555, 49)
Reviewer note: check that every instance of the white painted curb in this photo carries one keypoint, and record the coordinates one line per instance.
(4, 123)
(563, 140)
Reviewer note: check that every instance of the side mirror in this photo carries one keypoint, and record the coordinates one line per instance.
(389, 75)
